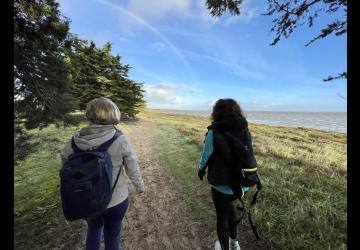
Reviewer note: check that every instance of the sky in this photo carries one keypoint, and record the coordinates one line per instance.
(187, 59)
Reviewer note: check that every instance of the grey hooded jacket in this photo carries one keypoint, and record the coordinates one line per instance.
(94, 135)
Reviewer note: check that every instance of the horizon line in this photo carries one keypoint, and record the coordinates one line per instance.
(289, 111)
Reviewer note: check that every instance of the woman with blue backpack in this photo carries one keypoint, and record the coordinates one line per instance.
(93, 182)
(228, 155)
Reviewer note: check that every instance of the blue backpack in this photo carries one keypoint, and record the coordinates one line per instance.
(85, 181)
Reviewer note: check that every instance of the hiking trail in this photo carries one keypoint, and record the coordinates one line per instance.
(158, 220)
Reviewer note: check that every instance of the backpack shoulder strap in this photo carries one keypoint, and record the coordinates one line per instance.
(106, 145)
(74, 147)
(118, 133)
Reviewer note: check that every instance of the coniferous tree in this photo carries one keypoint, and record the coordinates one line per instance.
(41, 84)
(56, 73)
(95, 72)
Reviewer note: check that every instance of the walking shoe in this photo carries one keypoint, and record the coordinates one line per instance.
(234, 244)
(217, 245)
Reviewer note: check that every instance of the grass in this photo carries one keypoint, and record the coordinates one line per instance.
(177, 155)
(303, 171)
(38, 219)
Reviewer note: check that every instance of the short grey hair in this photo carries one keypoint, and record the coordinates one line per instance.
(102, 111)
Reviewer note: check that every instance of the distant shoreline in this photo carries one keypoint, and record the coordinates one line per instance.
(250, 111)
(325, 121)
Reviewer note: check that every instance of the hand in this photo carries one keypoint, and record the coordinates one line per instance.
(201, 174)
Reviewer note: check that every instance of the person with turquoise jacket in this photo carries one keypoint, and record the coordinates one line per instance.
(228, 125)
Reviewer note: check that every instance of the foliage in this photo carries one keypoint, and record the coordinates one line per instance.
(56, 73)
(95, 72)
(41, 81)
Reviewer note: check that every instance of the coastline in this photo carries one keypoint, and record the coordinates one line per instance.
(256, 118)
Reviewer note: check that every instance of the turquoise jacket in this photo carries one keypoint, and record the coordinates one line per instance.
(205, 155)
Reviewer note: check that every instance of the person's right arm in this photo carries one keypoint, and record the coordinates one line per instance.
(131, 166)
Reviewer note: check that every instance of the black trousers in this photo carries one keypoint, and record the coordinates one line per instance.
(225, 217)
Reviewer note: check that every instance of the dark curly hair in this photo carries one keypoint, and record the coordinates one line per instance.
(226, 107)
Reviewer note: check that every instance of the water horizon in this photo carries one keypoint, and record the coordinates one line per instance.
(333, 121)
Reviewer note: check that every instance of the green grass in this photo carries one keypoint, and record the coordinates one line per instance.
(303, 171)
(178, 156)
(38, 218)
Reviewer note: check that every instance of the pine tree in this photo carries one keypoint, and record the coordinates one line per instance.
(41, 81)
(95, 73)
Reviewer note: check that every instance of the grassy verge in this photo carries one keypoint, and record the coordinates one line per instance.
(38, 218)
(179, 156)
(303, 171)
(302, 205)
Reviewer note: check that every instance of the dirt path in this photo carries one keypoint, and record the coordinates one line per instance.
(159, 220)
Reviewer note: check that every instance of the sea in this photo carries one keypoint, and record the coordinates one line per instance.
(328, 121)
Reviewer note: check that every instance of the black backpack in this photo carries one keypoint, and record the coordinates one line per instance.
(243, 166)
(243, 170)
(86, 181)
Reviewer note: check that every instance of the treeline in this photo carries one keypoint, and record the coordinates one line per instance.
(56, 72)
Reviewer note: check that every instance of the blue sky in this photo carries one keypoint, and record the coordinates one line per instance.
(188, 59)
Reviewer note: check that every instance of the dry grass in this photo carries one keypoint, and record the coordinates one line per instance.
(303, 171)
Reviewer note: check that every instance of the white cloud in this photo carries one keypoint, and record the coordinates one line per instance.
(178, 100)
(158, 8)
(169, 93)
(180, 87)
(162, 93)
(187, 88)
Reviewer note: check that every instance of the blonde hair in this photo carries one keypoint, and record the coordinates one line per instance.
(102, 111)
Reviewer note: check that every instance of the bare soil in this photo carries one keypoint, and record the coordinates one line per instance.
(159, 219)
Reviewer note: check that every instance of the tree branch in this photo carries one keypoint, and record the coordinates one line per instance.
(343, 75)
(340, 27)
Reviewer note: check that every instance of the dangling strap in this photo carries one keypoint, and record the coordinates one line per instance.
(258, 187)
(117, 177)
(242, 210)
(253, 227)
